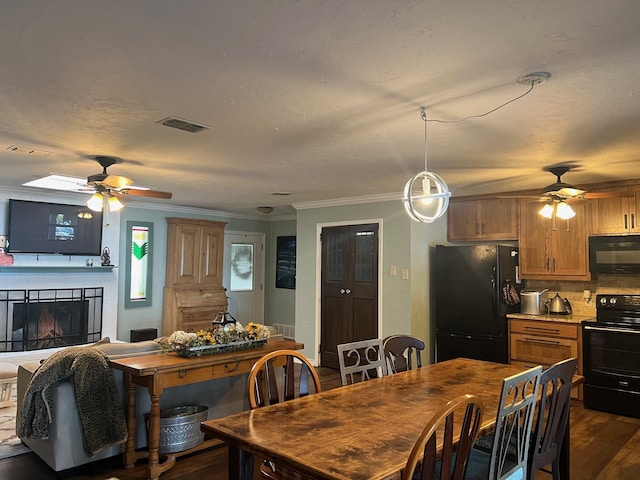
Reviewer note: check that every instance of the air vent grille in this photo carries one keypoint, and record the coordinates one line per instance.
(181, 124)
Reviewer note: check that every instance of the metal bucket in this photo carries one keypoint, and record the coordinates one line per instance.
(180, 428)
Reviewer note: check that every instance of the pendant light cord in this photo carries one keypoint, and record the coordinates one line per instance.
(424, 116)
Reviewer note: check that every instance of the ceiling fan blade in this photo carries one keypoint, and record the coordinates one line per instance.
(144, 193)
(515, 195)
(612, 194)
(116, 181)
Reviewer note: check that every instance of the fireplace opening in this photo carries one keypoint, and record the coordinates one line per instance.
(49, 318)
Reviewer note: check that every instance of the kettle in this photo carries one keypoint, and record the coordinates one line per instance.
(559, 305)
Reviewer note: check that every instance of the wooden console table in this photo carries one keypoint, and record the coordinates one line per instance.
(166, 370)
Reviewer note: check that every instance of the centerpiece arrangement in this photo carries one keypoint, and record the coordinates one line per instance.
(221, 338)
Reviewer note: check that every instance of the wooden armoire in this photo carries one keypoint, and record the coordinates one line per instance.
(193, 291)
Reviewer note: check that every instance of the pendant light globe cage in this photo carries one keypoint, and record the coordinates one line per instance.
(426, 197)
(426, 194)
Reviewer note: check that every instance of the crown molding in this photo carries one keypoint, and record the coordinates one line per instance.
(338, 202)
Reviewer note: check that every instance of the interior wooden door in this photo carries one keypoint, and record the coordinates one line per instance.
(349, 290)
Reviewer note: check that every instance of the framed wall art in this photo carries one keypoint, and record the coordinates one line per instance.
(286, 262)
(139, 264)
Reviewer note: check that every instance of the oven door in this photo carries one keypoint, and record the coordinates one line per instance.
(611, 356)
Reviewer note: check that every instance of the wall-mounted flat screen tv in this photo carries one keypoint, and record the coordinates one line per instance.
(50, 228)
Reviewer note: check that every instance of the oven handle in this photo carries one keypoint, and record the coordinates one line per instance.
(607, 329)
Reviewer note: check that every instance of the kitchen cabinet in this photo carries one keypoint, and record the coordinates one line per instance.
(553, 248)
(193, 292)
(545, 342)
(616, 215)
(483, 219)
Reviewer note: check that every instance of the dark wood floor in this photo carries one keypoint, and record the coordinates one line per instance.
(603, 447)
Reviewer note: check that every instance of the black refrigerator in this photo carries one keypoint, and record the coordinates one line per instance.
(474, 287)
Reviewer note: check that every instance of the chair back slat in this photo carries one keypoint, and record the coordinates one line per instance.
(457, 439)
(552, 415)
(273, 378)
(271, 383)
(360, 361)
(400, 352)
(513, 425)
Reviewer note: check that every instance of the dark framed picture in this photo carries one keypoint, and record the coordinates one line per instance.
(286, 262)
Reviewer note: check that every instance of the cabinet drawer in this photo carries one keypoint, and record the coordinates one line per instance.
(543, 351)
(232, 368)
(544, 328)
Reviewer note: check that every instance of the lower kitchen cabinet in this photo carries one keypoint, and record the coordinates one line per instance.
(545, 342)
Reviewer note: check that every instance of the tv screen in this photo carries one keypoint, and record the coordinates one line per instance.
(39, 227)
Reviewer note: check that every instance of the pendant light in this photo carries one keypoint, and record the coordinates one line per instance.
(426, 195)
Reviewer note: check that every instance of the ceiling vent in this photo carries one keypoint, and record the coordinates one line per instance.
(181, 124)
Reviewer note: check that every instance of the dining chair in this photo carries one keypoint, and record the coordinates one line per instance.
(552, 417)
(400, 352)
(457, 440)
(360, 361)
(268, 385)
(509, 454)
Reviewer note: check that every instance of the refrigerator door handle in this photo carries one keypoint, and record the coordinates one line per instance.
(494, 302)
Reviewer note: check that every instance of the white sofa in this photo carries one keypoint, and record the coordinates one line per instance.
(63, 449)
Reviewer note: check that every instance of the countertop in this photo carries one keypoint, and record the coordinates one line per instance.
(551, 318)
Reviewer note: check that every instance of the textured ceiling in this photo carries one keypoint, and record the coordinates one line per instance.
(319, 98)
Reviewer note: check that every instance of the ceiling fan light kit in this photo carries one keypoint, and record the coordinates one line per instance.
(564, 211)
(97, 201)
(547, 210)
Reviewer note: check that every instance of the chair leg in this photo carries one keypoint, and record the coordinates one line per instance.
(555, 468)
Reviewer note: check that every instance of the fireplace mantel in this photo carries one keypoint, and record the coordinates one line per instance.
(56, 268)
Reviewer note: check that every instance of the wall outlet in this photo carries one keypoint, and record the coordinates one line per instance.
(3, 241)
(405, 274)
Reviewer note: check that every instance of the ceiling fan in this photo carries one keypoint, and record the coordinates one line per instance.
(560, 191)
(104, 186)
(108, 187)
(557, 195)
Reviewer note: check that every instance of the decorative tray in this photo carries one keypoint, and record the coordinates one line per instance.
(187, 351)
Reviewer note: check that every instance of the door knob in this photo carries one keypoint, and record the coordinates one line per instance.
(342, 290)
(348, 291)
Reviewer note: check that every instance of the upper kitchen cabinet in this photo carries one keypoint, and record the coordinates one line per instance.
(482, 219)
(616, 215)
(195, 251)
(553, 248)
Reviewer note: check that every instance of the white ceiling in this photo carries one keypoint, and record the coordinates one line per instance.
(319, 98)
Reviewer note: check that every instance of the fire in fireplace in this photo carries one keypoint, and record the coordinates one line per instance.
(41, 319)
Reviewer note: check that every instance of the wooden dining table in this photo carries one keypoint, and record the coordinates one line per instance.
(360, 431)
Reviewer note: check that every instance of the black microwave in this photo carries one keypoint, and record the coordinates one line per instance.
(617, 254)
